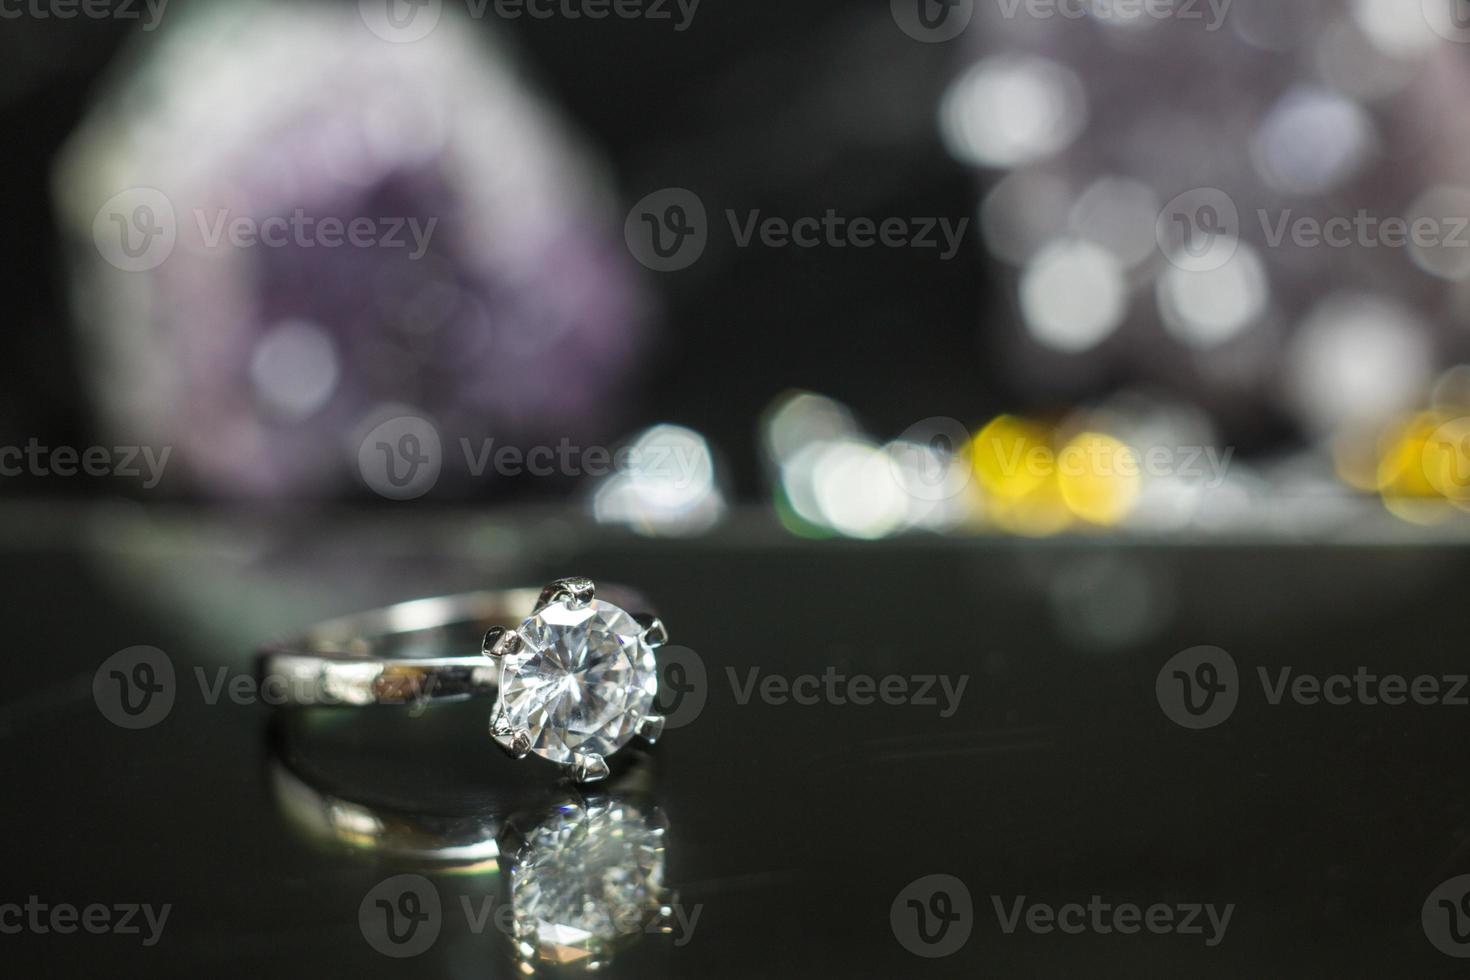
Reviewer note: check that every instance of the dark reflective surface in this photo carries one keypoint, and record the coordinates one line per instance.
(795, 829)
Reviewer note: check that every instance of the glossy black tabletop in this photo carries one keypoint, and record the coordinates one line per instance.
(977, 748)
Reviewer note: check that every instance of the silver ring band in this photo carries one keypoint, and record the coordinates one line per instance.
(386, 656)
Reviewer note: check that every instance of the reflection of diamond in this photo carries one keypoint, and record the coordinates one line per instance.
(582, 680)
(585, 879)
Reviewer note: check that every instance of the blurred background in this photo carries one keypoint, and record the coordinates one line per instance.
(1163, 266)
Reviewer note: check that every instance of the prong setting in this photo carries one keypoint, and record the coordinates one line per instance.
(575, 592)
(501, 642)
(589, 768)
(520, 745)
(655, 633)
(650, 728)
(517, 744)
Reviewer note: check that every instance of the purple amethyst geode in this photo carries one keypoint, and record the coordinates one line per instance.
(286, 228)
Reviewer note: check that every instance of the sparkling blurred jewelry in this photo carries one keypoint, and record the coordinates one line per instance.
(573, 683)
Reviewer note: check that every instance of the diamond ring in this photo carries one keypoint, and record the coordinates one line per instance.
(573, 683)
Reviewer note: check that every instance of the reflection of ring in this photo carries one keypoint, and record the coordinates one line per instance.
(584, 873)
(573, 683)
(459, 842)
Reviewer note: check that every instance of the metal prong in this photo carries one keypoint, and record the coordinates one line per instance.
(588, 768)
(651, 727)
(655, 633)
(574, 591)
(501, 642)
(517, 745)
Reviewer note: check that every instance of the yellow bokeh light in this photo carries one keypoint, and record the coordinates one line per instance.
(1015, 465)
(1012, 457)
(1410, 450)
(1099, 478)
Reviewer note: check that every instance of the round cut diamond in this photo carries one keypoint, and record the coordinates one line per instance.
(581, 682)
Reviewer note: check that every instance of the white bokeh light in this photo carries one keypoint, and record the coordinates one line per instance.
(1120, 214)
(1313, 141)
(294, 369)
(1397, 27)
(1073, 296)
(1439, 240)
(1357, 360)
(1011, 110)
(1206, 308)
(855, 491)
(1023, 212)
(667, 487)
